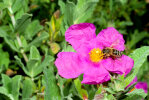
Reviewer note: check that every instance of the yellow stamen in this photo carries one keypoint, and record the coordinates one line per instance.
(96, 55)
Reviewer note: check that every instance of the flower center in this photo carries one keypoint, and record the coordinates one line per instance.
(96, 55)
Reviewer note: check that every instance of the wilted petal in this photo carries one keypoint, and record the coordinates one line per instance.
(68, 64)
(79, 34)
(95, 74)
(142, 85)
(121, 65)
(110, 37)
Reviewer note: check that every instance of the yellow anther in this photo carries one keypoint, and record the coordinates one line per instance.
(96, 55)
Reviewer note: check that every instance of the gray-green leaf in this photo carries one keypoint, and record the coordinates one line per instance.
(139, 56)
(51, 88)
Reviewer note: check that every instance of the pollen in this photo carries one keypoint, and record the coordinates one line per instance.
(96, 55)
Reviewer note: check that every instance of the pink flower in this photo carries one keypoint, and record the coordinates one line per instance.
(139, 85)
(88, 58)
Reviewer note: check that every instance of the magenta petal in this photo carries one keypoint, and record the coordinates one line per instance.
(85, 48)
(110, 37)
(68, 65)
(95, 74)
(121, 65)
(79, 34)
(142, 85)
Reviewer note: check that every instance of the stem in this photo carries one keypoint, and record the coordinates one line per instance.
(22, 51)
(12, 16)
(18, 38)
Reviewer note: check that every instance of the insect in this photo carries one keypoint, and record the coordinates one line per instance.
(111, 52)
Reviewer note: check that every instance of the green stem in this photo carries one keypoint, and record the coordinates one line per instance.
(12, 16)
(22, 50)
(18, 38)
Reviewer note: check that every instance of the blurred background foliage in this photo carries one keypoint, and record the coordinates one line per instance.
(32, 33)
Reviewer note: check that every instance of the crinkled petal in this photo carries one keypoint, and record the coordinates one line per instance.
(110, 37)
(79, 34)
(142, 85)
(121, 65)
(87, 47)
(95, 73)
(68, 65)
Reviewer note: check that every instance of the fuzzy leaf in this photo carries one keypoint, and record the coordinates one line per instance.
(83, 10)
(3, 6)
(32, 29)
(82, 92)
(27, 89)
(37, 41)
(137, 94)
(4, 57)
(139, 56)
(7, 82)
(22, 23)
(19, 62)
(51, 88)
(34, 53)
(16, 86)
(37, 70)
(4, 94)
(12, 85)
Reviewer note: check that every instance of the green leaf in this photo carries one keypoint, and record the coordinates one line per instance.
(62, 6)
(47, 60)
(83, 10)
(82, 92)
(8, 2)
(19, 62)
(27, 89)
(61, 82)
(3, 33)
(11, 43)
(12, 86)
(22, 23)
(68, 15)
(37, 41)
(136, 37)
(99, 90)
(110, 90)
(51, 89)
(34, 53)
(7, 38)
(2, 69)
(31, 65)
(17, 5)
(67, 48)
(137, 94)
(3, 6)
(139, 56)
(4, 94)
(32, 29)
(7, 82)
(4, 57)
(16, 86)
(23, 43)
